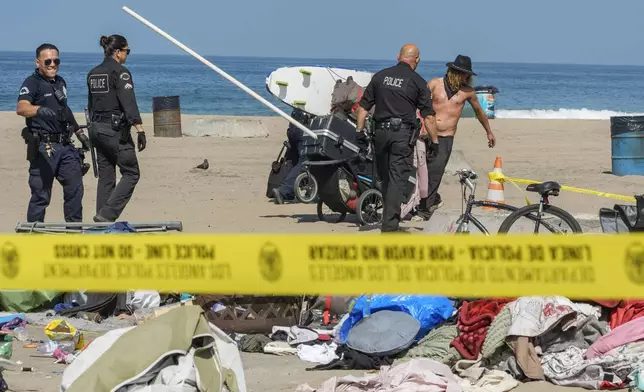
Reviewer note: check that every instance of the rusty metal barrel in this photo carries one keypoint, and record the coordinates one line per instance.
(166, 114)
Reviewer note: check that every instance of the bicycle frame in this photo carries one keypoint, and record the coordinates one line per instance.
(466, 211)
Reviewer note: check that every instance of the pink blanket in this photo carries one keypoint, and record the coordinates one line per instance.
(630, 332)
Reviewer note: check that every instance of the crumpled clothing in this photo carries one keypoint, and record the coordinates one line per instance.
(626, 311)
(279, 348)
(582, 337)
(496, 333)
(318, 353)
(350, 359)
(570, 368)
(436, 345)
(473, 377)
(417, 375)
(630, 332)
(474, 319)
(296, 334)
(534, 316)
(505, 361)
(253, 343)
(526, 357)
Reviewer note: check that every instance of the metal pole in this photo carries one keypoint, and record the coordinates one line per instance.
(219, 71)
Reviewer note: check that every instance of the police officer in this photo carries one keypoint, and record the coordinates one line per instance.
(396, 92)
(113, 111)
(51, 153)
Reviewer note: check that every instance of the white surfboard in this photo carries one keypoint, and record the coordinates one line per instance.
(310, 88)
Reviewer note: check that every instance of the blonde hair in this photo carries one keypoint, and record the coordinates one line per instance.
(454, 79)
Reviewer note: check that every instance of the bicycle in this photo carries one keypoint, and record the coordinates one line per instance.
(546, 189)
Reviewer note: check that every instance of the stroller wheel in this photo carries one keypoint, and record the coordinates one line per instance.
(339, 217)
(370, 207)
(306, 188)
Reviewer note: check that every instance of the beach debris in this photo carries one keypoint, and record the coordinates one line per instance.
(205, 165)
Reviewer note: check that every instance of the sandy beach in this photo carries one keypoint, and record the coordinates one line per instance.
(230, 197)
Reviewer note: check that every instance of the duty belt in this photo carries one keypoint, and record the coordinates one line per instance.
(103, 118)
(386, 125)
(53, 137)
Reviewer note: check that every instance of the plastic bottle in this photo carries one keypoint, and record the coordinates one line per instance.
(21, 334)
(48, 348)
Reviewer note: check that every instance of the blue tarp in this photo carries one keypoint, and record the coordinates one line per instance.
(430, 311)
(116, 228)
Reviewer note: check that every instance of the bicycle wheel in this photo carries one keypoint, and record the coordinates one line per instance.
(306, 188)
(320, 210)
(530, 212)
(370, 207)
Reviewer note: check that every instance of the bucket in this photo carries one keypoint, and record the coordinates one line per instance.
(486, 96)
(627, 145)
(166, 114)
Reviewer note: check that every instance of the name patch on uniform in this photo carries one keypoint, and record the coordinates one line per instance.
(99, 84)
(393, 82)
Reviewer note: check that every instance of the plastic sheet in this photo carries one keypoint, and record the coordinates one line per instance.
(623, 124)
(430, 311)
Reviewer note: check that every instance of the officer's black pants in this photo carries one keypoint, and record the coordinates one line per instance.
(394, 160)
(111, 152)
(64, 165)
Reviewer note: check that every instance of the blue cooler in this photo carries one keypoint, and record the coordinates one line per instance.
(486, 96)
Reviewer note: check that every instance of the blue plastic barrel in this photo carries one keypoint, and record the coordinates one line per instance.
(627, 145)
(486, 96)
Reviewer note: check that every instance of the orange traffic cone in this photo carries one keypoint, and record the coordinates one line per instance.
(495, 188)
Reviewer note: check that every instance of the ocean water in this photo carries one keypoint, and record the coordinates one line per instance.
(525, 90)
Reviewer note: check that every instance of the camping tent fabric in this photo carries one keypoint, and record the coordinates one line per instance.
(170, 353)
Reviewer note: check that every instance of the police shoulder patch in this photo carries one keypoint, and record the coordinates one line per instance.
(24, 91)
(125, 76)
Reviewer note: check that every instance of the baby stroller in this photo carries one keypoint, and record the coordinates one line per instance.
(346, 177)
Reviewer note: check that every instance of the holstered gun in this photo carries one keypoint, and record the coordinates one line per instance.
(32, 142)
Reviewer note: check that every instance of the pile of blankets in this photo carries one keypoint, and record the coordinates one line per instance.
(494, 344)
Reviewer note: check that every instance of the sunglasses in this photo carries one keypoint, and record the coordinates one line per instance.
(49, 61)
(127, 51)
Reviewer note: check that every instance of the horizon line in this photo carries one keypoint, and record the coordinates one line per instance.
(343, 58)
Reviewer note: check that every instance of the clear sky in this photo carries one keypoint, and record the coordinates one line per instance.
(546, 31)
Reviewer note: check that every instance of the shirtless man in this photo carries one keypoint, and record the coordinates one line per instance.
(449, 94)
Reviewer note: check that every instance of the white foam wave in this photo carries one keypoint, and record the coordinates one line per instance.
(578, 114)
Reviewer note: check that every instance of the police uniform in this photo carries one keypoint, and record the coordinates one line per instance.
(53, 154)
(396, 93)
(113, 111)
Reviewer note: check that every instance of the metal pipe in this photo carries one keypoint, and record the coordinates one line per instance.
(176, 225)
(219, 71)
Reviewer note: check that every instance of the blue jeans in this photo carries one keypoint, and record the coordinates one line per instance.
(294, 136)
(65, 165)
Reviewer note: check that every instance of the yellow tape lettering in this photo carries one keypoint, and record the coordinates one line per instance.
(71, 251)
(496, 252)
(333, 252)
(335, 273)
(570, 253)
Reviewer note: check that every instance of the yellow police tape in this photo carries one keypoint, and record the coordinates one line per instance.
(576, 266)
(500, 177)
